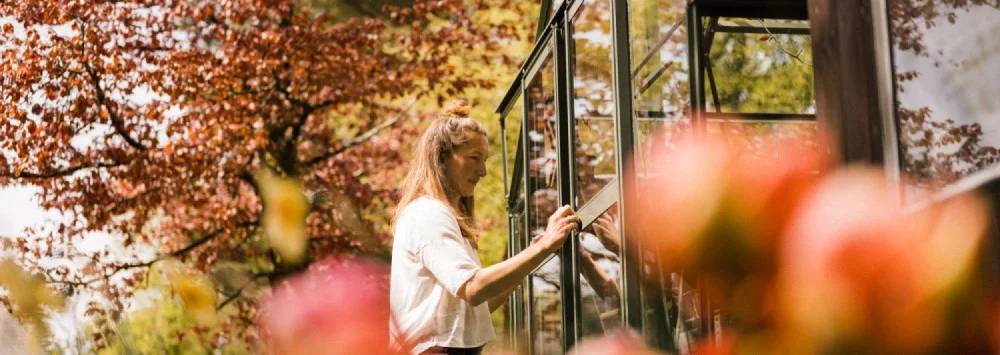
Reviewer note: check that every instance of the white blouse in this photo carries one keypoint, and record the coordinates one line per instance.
(430, 262)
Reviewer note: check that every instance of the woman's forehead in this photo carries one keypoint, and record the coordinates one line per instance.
(476, 142)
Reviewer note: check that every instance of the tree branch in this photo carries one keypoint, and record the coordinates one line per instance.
(58, 173)
(239, 292)
(361, 138)
(177, 253)
(95, 80)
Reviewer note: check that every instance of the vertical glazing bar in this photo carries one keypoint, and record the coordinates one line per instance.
(527, 307)
(570, 278)
(624, 140)
(886, 96)
(543, 19)
(503, 156)
(511, 320)
(697, 79)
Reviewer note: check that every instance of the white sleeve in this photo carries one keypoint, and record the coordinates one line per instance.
(442, 249)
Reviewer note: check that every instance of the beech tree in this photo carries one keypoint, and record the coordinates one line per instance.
(926, 158)
(148, 120)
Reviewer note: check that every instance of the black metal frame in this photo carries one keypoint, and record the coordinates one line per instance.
(555, 39)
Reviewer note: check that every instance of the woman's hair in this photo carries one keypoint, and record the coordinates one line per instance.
(426, 176)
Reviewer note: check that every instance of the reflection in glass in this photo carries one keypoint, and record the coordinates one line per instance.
(593, 99)
(658, 41)
(660, 84)
(755, 134)
(519, 240)
(513, 127)
(946, 71)
(600, 274)
(546, 318)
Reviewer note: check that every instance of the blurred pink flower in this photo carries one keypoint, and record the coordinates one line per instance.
(336, 306)
(615, 343)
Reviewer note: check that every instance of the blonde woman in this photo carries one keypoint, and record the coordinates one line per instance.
(440, 295)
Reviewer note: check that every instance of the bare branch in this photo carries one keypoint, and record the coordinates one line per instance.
(177, 253)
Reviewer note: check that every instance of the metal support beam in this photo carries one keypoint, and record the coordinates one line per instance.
(625, 141)
(570, 278)
(709, 39)
(528, 307)
(697, 79)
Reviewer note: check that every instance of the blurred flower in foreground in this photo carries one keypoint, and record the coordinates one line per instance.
(29, 297)
(616, 343)
(336, 307)
(860, 275)
(285, 209)
(716, 209)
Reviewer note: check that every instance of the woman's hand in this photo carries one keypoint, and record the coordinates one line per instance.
(498, 280)
(561, 223)
(607, 232)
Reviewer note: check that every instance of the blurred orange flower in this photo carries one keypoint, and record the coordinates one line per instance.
(715, 208)
(860, 275)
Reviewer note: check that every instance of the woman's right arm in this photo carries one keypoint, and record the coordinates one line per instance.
(498, 279)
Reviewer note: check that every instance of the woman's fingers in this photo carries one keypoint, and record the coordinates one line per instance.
(601, 230)
(559, 213)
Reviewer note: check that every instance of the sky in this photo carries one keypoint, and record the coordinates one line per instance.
(966, 85)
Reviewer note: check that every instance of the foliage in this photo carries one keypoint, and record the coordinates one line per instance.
(936, 151)
(178, 318)
(762, 73)
(149, 120)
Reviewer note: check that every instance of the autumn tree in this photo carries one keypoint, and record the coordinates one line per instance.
(936, 151)
(148, 120)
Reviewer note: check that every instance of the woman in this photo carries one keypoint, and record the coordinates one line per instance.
(440, 295)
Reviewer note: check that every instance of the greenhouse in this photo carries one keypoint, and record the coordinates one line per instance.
(604, 74)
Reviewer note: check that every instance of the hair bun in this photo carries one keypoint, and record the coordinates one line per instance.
(457, 108)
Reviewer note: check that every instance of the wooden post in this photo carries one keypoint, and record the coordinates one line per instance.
(845, 72)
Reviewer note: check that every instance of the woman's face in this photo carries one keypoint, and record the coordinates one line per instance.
(466, 165)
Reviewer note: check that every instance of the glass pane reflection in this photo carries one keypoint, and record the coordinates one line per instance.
(593, 99)
(658, 41)
(600, 274)
(546, 317)
(946, 72)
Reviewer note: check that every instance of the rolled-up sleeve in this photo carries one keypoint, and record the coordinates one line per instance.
(444, 252)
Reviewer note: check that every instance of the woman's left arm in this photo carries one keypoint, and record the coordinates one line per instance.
(498, 301)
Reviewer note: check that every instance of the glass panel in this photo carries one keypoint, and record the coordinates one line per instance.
(593, 99)
(754, 133)
(946, 71)
(544, 198)
(519, 239)
(658, 31)
(759, 72)
(513, 123)
(600, 274)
